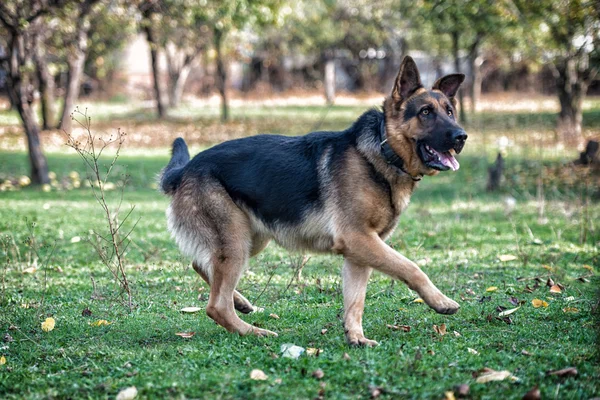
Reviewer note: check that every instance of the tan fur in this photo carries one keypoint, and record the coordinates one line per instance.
(357, 216)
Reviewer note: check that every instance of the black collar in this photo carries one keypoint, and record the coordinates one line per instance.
(390, 156)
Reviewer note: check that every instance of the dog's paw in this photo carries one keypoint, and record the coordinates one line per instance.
(446, 306)
(361, 341)
(262, 332)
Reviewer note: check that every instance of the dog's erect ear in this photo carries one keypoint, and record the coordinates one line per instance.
(408, 80)
(449, 84)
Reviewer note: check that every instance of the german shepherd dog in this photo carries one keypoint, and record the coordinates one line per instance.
(331, 192)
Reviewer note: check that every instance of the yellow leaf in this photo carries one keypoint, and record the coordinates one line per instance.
(549, 268)
(555, 289)
(100, 322)
(48, 324)
(491, 375)
(185, 335)
(129, 393)
(491, 289)
(588, 267)
(508, 312)
(449, 396)
(571, 309)
(258, 375)
(30, 270)
(311, 351)
(190, 309)
(418, 301)
(537, 303)
(507, 257)
(274, 316)
(2, 360)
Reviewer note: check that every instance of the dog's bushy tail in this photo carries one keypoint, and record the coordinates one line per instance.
(170, 177)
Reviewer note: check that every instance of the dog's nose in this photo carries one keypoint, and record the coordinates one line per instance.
(458, 137)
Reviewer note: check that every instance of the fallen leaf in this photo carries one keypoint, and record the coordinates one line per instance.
(563, 373)
(440, 330)
(533, 394)
(507, 257)
(588, 267)
(30, 270)
(75, 239)
(404, 328)
(274, 316)
(449, 396)
(537, 303)
(376, 391)
(472, 351)
(258, 375)
(490, 375)
(127, 393)
(100, 322)
(513, 300)
(346, 356)
(549, 282)
(462, 390)
(508, 312)
(185, 335)
(278, 381)
(419, 300)
(48, 324)
(319, 374)
(456, 334)
(292, 351)
(323, 331)
(525, 353)
(190, 309)
(491, 289)
(583, 279)
(2, 360)
(555, 289)
(570, 310)
(311, 351)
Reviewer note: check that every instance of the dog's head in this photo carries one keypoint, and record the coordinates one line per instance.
(421, 124)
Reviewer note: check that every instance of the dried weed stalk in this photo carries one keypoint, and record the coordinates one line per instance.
(112, 245)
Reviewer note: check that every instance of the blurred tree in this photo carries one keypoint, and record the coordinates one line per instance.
(184, 35)
(227, 16)
(150, 10)
(45, 79)
(468, 23)
(568, 36)
(77, 17)
(19, 18)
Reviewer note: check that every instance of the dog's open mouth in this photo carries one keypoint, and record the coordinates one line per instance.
(442, 161)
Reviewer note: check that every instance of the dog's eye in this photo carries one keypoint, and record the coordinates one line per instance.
(425, 111)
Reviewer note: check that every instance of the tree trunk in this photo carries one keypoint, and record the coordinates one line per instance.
(221, 74)
(571, 89)
(45, 84)
(178, 76)
(475, 61)
(18, 82)
(455, 53)
(75, 63)
(329, 80)
(153, 44)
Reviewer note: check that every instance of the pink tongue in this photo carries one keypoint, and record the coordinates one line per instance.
(449, 161)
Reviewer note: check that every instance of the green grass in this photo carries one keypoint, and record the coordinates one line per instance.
(453, 228)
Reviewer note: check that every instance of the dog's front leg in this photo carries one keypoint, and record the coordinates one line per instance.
(369, 249)
(354, 280)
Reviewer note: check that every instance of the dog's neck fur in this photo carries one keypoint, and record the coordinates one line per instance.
(369, 145)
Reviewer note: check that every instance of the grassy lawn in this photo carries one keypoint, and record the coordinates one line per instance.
(454, 229)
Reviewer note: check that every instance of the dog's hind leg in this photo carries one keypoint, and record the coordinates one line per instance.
(354, 280)
(240, 303)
